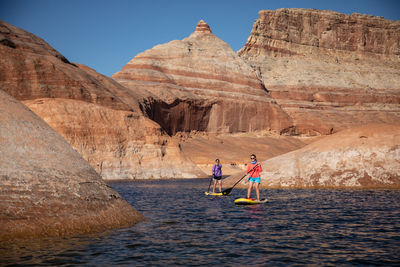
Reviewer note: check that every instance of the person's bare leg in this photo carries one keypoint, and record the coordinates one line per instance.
(220, 185)
(257, 191)
(249, 189)
(215, 183)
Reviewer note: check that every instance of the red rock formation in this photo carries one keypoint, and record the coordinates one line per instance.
(327, 70)
(46, 188)
(100, 118)
(199, 83)
(366, 156)
(120, 144)
(30, 69)
(299, 31)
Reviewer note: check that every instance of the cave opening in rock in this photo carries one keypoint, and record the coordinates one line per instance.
(179, 115)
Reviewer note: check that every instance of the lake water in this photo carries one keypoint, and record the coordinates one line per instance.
(185, 227)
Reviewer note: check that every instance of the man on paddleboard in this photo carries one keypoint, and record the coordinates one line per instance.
(217, 174)
(254, 176)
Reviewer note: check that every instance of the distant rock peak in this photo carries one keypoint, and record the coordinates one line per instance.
(202, 27)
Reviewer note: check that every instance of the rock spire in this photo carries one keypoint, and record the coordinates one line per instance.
(202, 27)
(201, 84)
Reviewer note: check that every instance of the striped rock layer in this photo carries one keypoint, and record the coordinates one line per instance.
(99, 117)
(46, 187)
(199, 83)
(328, 71)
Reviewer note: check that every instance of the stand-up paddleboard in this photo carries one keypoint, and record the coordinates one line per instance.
(213, 194)
(249, 201)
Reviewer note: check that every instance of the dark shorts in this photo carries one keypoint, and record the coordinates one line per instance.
(217, 177)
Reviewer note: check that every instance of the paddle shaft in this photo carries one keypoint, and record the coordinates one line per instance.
(227, 191)
(210, 183)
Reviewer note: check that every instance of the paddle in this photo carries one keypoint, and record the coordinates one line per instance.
(210, 184)
(228, 191)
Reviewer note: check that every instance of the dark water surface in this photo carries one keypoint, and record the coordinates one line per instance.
(185, 227)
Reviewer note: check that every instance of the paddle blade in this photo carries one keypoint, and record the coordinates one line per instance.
(227, 191)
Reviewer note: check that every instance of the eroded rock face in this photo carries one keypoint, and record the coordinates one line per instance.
(368, 156)
(120, 144)
(327, 70)
(296, 31)
(362, 157)
(199, 83)
(99, 117)
(31, 69)
(46, 188)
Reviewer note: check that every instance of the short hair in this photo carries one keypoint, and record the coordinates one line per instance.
(253, 155)
(217, 159)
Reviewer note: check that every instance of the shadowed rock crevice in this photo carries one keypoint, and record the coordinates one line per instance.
(180, 115)
(8, 43)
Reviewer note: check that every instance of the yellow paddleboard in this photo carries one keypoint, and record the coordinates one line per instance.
(212, 194)
(249, 201)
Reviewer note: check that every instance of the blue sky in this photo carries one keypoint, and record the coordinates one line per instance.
(105, 35)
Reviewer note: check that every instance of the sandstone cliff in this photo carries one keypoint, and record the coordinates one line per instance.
(362, 157)
(46, 188)
(199, 83)
(99, 117)
(328, 71)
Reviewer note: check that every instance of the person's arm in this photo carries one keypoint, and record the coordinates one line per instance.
(213, 169)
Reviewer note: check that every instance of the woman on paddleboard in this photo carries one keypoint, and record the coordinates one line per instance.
(254, 176)
(217, 174)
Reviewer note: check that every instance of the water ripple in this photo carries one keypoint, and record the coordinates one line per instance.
(185, 227)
